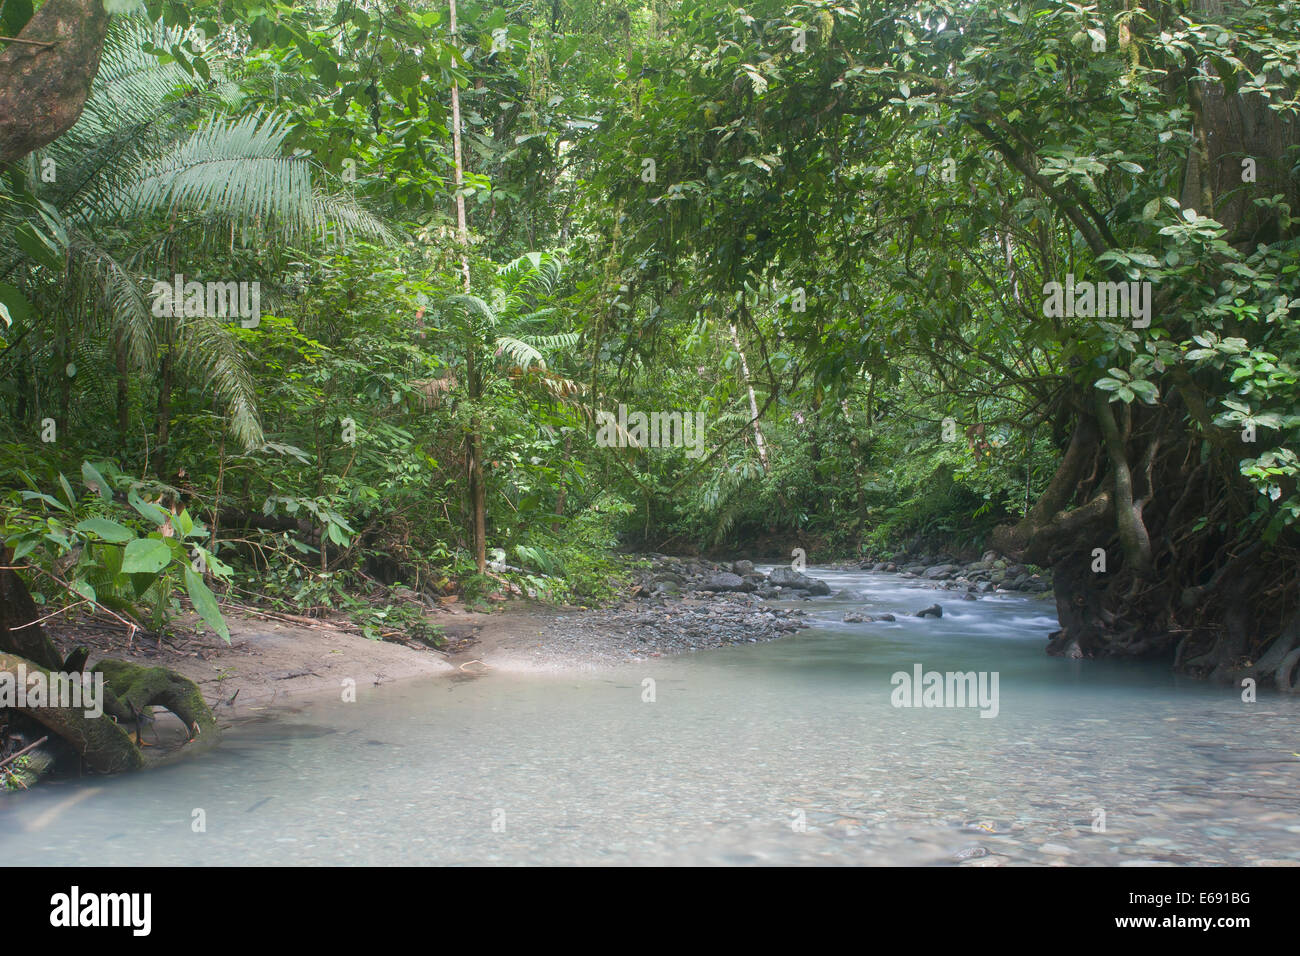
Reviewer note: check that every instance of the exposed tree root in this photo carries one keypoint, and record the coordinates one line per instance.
(129, 691)
(1150, 560)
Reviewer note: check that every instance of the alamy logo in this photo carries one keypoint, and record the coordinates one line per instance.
(1107, 300)
(83, 691)
(949, 689)
(74, 909)
(656, 430)
(181, 299)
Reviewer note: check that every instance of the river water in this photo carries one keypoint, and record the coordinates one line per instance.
(784, 752)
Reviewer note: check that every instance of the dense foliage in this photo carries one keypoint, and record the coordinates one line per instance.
(827, 228)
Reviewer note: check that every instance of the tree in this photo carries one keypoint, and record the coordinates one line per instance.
(921, 171)
(507, 329)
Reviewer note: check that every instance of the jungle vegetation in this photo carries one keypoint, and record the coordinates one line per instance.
(457, 233)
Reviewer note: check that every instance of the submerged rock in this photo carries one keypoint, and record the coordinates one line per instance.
(789, 578)
(857, 617)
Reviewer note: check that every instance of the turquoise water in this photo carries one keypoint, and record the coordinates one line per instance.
(786, 752)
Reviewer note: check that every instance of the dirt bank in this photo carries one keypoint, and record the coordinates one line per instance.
(266, 663)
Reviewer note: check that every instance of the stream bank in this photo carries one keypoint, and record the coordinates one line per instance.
(274, 661)
(780, 752)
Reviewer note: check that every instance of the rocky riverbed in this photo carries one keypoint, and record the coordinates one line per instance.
(683, 604)
(991, 572)
(686, 604)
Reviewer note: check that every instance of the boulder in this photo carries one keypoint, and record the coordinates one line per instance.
(743, 568)
(789, 578)
(726, 581)
(934, 610)
(940, 572)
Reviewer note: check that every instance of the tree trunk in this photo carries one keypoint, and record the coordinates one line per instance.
(128, 689)
(44, 81)
(477, 495)
(753, 402)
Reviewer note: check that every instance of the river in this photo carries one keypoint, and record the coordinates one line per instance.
(784, 752)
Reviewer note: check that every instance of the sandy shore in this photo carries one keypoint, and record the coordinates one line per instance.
(272, 662)
(267, 663)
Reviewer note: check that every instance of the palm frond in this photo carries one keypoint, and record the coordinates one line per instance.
(235, 166)
(210, 351)
(349, 218)
(473, 305)
(129, 114)
(520, 352)
(552, 343)
(117, 293)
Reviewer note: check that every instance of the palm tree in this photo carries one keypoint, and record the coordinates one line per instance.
(153, 176)
(510, 328)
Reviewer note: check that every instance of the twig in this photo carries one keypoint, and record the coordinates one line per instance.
(43, 43)
(131, 625)
(50, 615)
(8, 760)
(290, 618)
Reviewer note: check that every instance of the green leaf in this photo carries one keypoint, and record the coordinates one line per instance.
(24, 547)
(13, 304)
(1145, 390)
(69, 495)
(205, 603)
(106, 530)
(52, 502)
(85, 590)
(147, 509)
(146, 556)
(95, 481)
